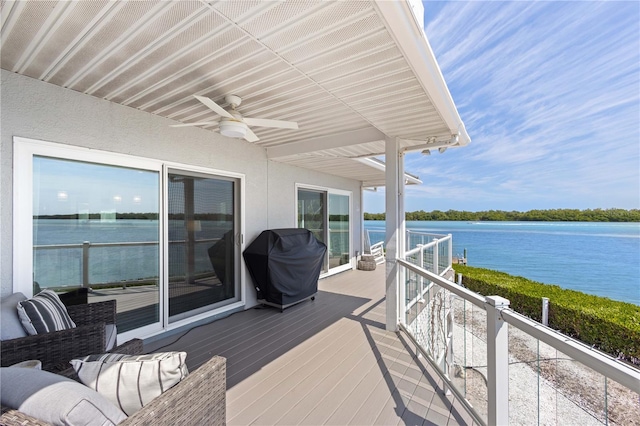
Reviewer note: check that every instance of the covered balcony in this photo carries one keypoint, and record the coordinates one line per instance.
(120, 115)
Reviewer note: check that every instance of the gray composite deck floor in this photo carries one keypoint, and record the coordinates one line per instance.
(328, 361)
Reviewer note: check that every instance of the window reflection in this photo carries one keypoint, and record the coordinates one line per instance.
(338, 230)
(96, 226)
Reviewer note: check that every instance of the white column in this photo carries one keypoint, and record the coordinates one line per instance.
(497, 362)
(392, 236)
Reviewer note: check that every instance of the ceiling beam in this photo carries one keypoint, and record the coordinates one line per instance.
(379, 165)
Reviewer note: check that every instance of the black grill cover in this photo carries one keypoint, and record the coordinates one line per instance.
(285, 264)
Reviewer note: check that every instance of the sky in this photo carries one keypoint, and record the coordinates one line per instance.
(103, 188)
(550, 95)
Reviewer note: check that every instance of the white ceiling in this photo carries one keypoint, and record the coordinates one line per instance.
(351, 73)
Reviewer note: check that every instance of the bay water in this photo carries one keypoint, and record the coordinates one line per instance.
(595, 258)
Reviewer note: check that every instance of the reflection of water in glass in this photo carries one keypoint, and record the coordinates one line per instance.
(63, 266)
(339, 234)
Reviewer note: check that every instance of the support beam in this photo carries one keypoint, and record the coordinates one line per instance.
(394, 238)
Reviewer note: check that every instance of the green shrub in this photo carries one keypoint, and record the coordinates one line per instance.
(608, 325)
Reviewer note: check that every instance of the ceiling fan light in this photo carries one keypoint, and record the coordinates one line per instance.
(233, 129)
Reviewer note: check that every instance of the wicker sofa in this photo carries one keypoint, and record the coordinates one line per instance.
(199, 399)
(57, 348)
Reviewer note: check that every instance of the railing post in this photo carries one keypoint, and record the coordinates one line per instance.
(449, 334)
(450, 254)
(85, 263)
(497, 361)
(435, 257)
(420, 277)
(545, 311)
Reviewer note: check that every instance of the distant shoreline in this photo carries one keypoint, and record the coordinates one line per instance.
(552, 215)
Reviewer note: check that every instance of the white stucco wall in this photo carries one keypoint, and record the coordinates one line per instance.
(37, 110)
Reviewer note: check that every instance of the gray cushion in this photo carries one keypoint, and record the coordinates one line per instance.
(131, 381)
(111, 333)
(44, 313)
(11, 327)
(55, 399)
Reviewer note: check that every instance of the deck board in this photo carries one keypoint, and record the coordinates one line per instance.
(328, 361)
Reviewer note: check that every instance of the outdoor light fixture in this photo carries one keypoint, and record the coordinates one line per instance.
(233, 129)
(426, 152)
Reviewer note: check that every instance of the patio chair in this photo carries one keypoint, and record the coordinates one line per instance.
(55, 349)
(377, 251)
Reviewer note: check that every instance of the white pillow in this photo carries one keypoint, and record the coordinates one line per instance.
(55, 399)
(44, 313)
(131, 381)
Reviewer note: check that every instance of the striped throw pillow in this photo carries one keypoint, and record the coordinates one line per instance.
(131, 381)
(44, 313)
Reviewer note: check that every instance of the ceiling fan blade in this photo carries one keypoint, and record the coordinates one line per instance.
(265, 122)
(213, 106)
(206, 123)
(250, 136)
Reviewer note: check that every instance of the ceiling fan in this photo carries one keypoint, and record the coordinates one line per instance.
(233, 124)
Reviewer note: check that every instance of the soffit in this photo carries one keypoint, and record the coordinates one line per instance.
(334, 67)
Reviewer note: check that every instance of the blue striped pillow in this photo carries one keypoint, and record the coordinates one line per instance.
(44, 313)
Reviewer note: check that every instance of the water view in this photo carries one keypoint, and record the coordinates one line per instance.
(596, 258)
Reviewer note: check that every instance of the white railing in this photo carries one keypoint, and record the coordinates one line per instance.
(506, 368)
(435, 251)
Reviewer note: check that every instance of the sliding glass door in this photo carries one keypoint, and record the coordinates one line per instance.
(162, 240)
(312, 214)
(327, 213)
(339, 237)
(202, 229)
(92, 227)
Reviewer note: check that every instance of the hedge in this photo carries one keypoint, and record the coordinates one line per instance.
(608, 325)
